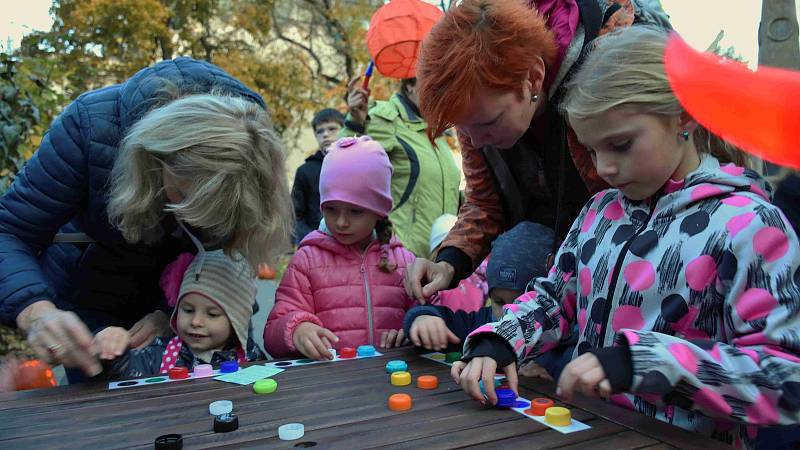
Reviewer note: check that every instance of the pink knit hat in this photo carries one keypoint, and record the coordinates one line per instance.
(357, 171)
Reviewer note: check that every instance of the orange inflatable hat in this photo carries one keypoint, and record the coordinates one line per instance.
(757, 111)
(395, 36)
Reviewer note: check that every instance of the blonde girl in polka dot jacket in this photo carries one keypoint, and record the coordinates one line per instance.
(213, 296)
(683, 280)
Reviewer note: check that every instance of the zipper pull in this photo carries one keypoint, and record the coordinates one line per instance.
(363, 269)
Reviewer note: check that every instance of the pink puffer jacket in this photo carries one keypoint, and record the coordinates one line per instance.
(339, 288)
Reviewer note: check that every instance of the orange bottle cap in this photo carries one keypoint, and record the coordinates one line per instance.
(539, 406)
(399, 402)
(427, 382)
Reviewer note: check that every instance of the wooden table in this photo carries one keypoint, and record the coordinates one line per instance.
(341, 404)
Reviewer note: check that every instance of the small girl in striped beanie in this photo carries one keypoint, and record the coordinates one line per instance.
(213, 296)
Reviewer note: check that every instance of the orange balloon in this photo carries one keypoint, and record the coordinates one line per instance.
(265, 272)
(34, 374)
(395, 36)
(756, 111)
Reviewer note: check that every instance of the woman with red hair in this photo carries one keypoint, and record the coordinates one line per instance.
(494, 70)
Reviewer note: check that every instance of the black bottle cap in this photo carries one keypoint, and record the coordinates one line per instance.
(169, 442)
(225, 423)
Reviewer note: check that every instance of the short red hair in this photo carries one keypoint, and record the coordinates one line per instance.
(478, 44)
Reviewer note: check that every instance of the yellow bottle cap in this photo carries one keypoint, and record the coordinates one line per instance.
(401, 379)
(558, 416)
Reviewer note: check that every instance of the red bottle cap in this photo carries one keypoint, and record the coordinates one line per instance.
(178, 373)
(347, 352)
(539, 406)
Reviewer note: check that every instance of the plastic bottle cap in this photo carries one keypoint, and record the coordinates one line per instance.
(505, 398)
(229, 367)
(347, 352)
(558, 416)
(483, 390)
(366, 350)
(178, 373)
(332, 352)
(220, 407)
(169, 442)
(396, 366)
(452, 357)
(226, 423)
(399, 402)
(401, 379)
(539, 406)
(427, 382)
(203, 370)
(266, 386)
(291, 431)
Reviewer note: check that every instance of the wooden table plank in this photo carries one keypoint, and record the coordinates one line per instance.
(342, 405)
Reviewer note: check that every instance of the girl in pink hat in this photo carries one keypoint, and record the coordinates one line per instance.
(344, 286)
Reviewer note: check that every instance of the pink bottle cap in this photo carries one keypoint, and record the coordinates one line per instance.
(203, 370)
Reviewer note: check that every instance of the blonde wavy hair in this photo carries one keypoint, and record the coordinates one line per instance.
(627, 68)
(225, 154)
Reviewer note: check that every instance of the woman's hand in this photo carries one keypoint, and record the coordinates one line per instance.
(148, 328)
(313, 341)
(437, 277)
(59, 337)
(482, 368)
(583, 374)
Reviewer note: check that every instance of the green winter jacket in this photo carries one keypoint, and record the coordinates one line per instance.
(426, 178)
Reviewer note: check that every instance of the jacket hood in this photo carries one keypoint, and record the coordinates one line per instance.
(145, 89)
(709, 180)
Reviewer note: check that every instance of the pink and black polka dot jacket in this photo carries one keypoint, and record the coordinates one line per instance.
(701, 284)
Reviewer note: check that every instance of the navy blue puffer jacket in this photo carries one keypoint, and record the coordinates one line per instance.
(64, 189)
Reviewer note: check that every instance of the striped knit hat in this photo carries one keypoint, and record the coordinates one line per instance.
(230, 284)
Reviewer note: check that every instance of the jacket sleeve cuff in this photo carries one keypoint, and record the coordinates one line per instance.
(492, 346)
(460, 262)
(415, 312)
(617, 365)
(293, 323)
(358, 128)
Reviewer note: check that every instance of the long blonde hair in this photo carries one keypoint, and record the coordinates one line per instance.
(225, 150)
(627, 68)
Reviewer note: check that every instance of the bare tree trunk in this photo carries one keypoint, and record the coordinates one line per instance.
(778, 44)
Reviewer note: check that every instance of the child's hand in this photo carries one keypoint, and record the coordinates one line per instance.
(111, 342)
(313, 341)
(392, 338)
(584, 374)
(482, 368)
(534, 370)
(432, 333)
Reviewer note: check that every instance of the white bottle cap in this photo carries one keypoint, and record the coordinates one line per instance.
(220, 407)
(291, 431)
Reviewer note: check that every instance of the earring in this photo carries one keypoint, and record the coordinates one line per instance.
(685, 135)
(534, 98)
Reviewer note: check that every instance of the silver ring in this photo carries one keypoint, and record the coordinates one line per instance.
(54, 347)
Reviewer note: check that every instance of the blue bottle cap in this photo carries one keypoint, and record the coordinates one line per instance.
(365, 350)
(506, 398)
(396, 366)
(228, 366)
